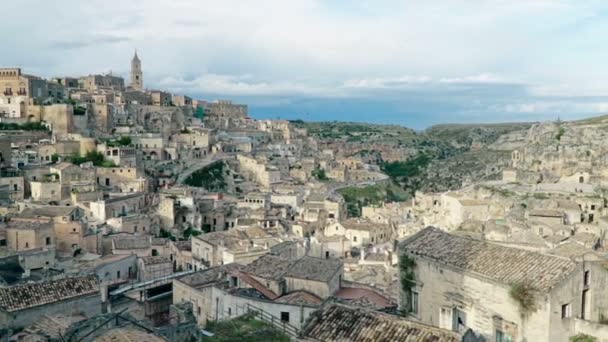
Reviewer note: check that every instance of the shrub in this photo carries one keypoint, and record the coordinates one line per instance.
(525, 294)
(582, 338)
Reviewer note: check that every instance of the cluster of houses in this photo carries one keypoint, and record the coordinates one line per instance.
(158, 214)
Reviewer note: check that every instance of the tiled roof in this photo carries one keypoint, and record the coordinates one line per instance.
(155, 260)
(314, 268)
(132, 242)
(48, 211)
(183, 245)
(128, 335)
(209, 276)
(258, 286)
(340, 323)
(268, 267)
(30, 295)
(502, 264)
(300, 298)
(362, 297)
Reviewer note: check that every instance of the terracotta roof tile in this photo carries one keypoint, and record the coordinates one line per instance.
(340, 323)
(30, 295)
(502, 264)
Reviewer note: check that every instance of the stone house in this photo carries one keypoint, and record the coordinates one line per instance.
(15, 184)
(69, 231)
(23, 305)
(118, 206)
(360, 232)
(137, 245)
(71, 175)
(138, 224)
(125, 179)
(153, 267)
(46, 191)
(180, 253)
(288, 290)
(111, 270)
(30, 234)
(123, 156)
(234, 245)
(461, 283)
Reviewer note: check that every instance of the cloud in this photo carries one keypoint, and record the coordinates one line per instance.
(437, 60)
(95, 40)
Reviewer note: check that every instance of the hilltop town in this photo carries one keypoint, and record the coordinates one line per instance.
(130, 214)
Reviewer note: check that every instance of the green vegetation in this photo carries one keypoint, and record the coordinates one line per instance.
(95, 157)
(404, 169)
(122, 141)
(560, 133)
(583, 338)
(407, 276)
(358, 197)
(319, 174)
(210, 178)
(540, 195)
(54, 157)
(244, 328)
(28, 126)
(166, 235)
(200, 113)
(191, 232)
(79, 110)
(525, 294)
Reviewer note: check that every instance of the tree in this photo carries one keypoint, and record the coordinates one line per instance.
(319, 174)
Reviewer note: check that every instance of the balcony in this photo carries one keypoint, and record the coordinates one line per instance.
(21, 92)
(8, 92)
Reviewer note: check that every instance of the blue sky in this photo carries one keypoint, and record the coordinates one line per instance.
(414, 63)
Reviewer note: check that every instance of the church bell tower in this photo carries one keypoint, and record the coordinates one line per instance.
(137, 77)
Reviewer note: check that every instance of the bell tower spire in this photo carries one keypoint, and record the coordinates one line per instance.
(137, 77)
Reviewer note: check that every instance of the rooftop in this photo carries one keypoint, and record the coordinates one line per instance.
(132, 242)
(155, 260)
(209, 276)
(300, 298)
(30, 295)
(48, 211)
(502, 264)
(335, 322)
(128, 334)
(314, 268)
(268, 266)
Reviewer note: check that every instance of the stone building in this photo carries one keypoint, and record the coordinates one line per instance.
(98, 82)
(23, 305)
(118, 206)
(461, 283)
(137, 75)
(153, 267)
(30, 234)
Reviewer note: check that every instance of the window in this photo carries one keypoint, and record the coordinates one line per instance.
(502, 337)
(414, 303)
(118, 274)
(48, 241)
(229, 311)
(198, 310)
(326, 255)
(27, 245)
(234, 281)
(586, 278)
(593, 207)
(566, 311)
(354, 238)
(285, 316)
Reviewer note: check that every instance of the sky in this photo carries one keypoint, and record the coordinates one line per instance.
(411, 62)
